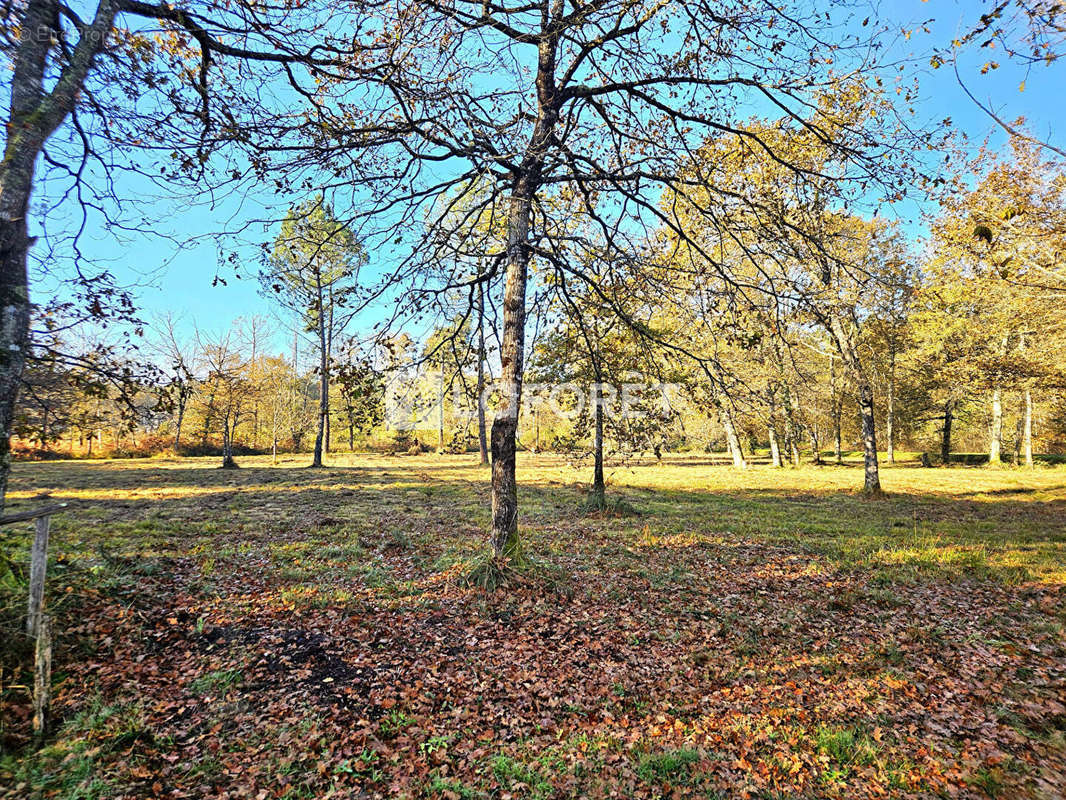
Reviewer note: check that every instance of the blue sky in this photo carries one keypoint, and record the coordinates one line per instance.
(180, 277)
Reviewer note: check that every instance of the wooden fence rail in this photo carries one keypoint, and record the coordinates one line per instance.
(39, 624)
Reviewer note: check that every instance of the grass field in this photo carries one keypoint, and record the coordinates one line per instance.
(282, 632)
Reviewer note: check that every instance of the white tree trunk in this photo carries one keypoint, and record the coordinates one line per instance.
(775, 448)
(1027, 432)
(995, 440)
(732, 441)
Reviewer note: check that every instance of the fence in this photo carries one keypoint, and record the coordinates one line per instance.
(39, 624)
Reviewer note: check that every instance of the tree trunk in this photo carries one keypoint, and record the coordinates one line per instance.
(14, 297)
(504, 534)
(208, 415)
(323, 387)
(871, 478)
(725, 417)
(771, 429)
(945, 436)
(326, 445)
(482, 439)
(14, 329)
(1016, 452)
(227, 443)
(838, 411)
(846, 347)
(838, 452)
(816, 445)
(995, 441)
(1027, 429)
(274, 432)
(890, 412)
(440, 412)
(177, 431)
(791, 430)
(599, 489)
(775, 448)
(512, 354)
(36, 109)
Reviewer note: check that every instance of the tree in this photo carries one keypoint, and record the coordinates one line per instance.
(871, 258)
(180, 368)
(887, 333)
(85, 92)
(72, 364)
(591, 348)
(362, 390)
(468, 235)
(791, 249)
(227, 383)
(994, 275)
(607, 97)
(47, 401)
(313, 271)
(449, 352)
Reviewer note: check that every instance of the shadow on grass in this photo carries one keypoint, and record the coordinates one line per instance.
(938, 520)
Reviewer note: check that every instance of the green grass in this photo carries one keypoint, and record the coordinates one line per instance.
(218, 682)
(1003, 523)
(845, 746)
(69, 768)
(509, 771)
(443, 787)
(669, 766)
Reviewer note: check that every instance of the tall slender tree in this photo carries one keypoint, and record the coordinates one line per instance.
(313, 271)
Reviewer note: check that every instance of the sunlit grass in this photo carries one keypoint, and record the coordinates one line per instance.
(1008, 523)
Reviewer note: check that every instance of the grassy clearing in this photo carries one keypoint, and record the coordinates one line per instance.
(1008, 523)
(709, 632)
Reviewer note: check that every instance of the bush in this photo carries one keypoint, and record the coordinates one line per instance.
(462, 444)
(215, 450)
(22, 451)
(404, 442)
(147, 446)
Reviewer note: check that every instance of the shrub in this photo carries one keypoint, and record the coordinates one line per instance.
(22, 451)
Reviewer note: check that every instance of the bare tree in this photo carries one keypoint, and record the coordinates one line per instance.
(180, 365)
(226, 368)
(590, 105)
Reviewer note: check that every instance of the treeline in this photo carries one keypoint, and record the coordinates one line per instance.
(954, 344)
(219, 394)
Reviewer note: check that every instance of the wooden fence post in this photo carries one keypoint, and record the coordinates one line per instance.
(38, 623)
(38, 567)
(42, 678)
